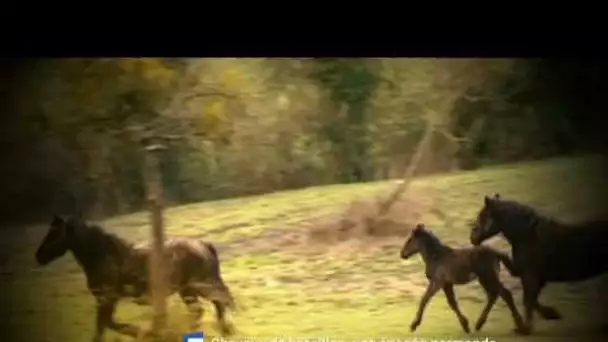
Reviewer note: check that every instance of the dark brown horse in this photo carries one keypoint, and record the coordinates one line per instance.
(544, 250)
(447, 266)
(116, 269)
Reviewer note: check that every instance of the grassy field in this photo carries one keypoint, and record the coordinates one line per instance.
(289, 286)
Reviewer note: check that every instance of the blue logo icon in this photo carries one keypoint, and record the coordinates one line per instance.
(193, 337)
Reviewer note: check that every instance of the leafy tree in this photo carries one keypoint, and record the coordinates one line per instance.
(351, 84)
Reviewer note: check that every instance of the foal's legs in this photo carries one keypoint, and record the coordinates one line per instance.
(507, 297)
(431, 290)
(448, 290)
(494, 288)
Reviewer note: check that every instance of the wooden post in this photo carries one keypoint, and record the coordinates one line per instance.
(158, 286)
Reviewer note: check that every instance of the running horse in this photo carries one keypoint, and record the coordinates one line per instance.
(544, 250)
(116, 269)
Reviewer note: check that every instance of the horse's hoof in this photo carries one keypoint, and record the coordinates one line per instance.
(479, 325)
(414, 326)
(549, 313)
(522, 331)
(465, 326)
(226, 329)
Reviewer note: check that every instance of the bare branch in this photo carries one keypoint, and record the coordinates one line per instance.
(155, 147)
(410, 171)
(210, 94)
(473, 98)
(452, 137)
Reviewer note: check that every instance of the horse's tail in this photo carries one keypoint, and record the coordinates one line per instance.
(212, 249)
(211, 256)
(506, 260)
(223, 292)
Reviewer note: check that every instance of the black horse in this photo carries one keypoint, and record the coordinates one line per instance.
(116, 269)
(447, 266)
(544, 250)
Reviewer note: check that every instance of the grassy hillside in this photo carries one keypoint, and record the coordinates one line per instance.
(291, 286)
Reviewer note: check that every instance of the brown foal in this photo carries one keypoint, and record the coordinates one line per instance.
(447, 266)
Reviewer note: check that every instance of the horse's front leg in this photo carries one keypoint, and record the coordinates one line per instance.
(532, 287)
(431, 290)
(520, 261)
(105, 319)
(448, 290)
(105, 310)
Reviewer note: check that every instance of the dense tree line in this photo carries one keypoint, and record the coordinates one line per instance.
(248, 126)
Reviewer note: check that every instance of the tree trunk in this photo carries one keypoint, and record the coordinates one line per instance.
(423, 146)
(157, 276)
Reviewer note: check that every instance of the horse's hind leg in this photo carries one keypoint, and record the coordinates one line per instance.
(220, 311)
(491, 286)
(546, 312)
(448, 290)
(195, 307)
(507, 297)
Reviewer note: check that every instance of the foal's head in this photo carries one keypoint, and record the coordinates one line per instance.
(485, 227)
(57, 240)
(418, 240)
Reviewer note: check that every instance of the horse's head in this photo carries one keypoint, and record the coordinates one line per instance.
(485, 227)
(412, 244)
(56, 242)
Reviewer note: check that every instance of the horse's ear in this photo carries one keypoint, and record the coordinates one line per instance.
(57, 219)
(420, 226)
(497, 196)
(487, 200)
(71, 223)
(78, 216)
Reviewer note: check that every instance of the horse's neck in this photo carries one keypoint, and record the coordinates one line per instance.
(93, 250)
(520, 235)
(433, 250)
(517, 238)
(87, 258)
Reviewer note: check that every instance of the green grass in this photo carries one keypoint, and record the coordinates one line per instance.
(361, 291)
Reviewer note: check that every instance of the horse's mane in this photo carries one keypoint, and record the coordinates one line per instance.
(522, 215)
(432, 241)
(522, 208)
(94, 234)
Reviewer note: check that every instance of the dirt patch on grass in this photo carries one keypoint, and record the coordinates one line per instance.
(356, 221)
(340, 232)
(272, 240)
